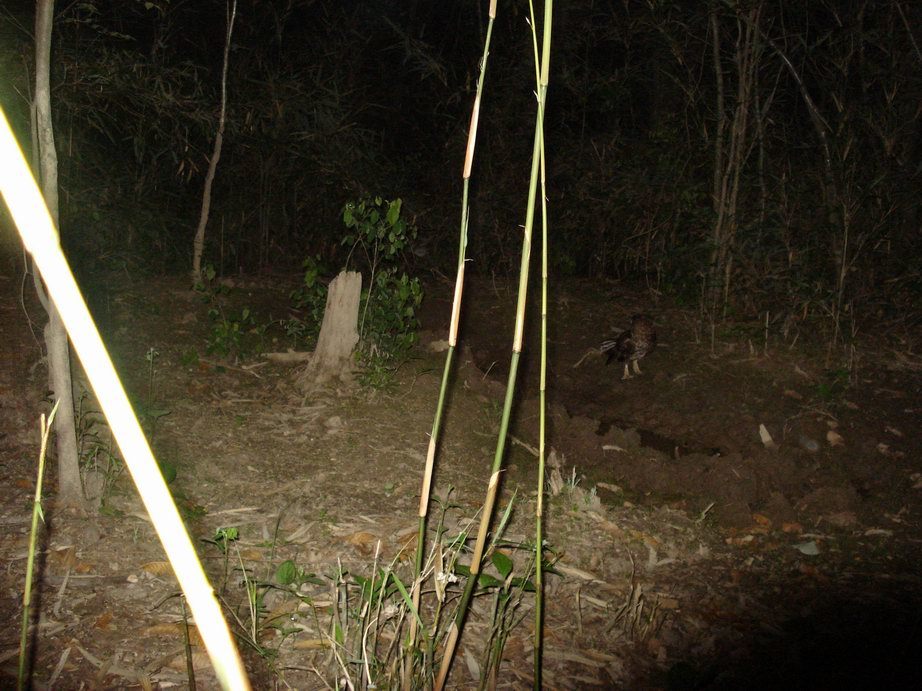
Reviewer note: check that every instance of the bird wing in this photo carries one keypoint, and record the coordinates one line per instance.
(608, 345)
(621, 347)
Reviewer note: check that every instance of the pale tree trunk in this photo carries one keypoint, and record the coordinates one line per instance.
(198, 244)
(70, 492)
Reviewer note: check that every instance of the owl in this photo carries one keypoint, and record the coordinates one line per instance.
(632, 345)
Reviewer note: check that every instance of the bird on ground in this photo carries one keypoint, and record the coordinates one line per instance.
(632, 344)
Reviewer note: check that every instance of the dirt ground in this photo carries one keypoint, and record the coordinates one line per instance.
(693, 553)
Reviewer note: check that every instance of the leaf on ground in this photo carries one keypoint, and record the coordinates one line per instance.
(740, 540)
(301, 535)
(174, 631)
(841, 519)
(763, 523)
(472, 667)
(310, 644)
(364, 542)
(157, 568)
(200, 661)
(766, 437)
(810, 548)
(407, 547)
(878, 532)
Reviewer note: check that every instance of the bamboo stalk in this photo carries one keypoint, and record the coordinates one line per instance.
(542, 83)
(37, 513)
(425, 492)
(457, 626)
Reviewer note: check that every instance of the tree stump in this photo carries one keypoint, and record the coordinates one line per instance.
(339, 334)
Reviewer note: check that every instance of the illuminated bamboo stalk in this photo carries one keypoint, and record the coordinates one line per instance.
(542, 79)
(457, 626)
(425, 492)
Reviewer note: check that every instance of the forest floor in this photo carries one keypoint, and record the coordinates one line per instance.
(692, 554)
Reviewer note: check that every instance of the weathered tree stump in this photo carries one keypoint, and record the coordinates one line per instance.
(339, 334)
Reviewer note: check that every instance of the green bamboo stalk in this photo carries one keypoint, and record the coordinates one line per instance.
(518, 337)
(425, 492)
(542, 79)
(33, 539)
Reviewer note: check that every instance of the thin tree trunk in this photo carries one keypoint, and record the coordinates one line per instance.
(732, 147)
(718, 192)
(70, 491)
(198, 243)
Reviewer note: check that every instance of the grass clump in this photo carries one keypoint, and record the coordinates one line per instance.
(352, 624)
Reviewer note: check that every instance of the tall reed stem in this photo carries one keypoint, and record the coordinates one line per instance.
(30, 560)
(541, 78)
(493, 485)
(425, 492)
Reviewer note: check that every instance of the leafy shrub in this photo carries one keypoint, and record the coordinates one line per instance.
(388, 323)
(229, 329)
(376, 239)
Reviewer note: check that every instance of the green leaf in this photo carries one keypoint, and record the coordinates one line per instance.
(485, 580)
(226, 534)
(393, 211)
(286, 573)
(525, 584)
(168, 470)
(502, 563)
(408, 601)
(338, 635)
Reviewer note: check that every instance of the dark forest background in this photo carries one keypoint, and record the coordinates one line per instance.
(743, 157)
